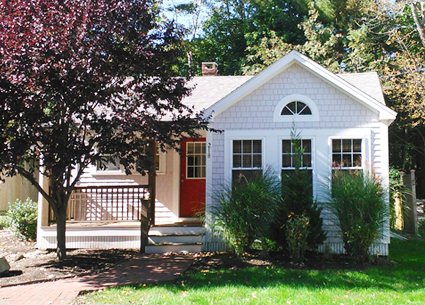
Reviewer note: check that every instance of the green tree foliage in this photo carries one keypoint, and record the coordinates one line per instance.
(234, 25)
(81, 80)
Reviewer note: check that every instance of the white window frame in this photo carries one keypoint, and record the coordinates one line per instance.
(204, 165)
(362, 153)
(161, 167)
(247, 168)
(311, 154)
(107, 171)
(313, 117)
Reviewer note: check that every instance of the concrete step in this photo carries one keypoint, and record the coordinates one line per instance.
(176, 247)
(163, 239)
(175, 239)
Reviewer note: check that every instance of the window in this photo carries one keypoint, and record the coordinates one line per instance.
(109, 166)
(346, 153)
(196, 160)
(289, 153)
(159, 161)
(291, 158)
(296, 107)
(247, 158)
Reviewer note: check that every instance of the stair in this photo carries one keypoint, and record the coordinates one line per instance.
(176, 238)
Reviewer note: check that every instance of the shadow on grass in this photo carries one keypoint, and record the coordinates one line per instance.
(405, 274)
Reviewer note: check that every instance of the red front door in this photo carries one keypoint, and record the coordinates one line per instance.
(192, 177)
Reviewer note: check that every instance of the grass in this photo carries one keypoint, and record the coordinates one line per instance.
(402, 282)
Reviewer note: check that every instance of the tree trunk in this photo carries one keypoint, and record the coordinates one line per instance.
(60, 233)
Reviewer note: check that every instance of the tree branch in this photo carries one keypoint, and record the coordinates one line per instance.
(419, 23)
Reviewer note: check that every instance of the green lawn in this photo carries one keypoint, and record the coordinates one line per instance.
(402, 282)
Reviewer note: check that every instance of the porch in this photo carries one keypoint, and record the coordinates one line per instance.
(101, 217)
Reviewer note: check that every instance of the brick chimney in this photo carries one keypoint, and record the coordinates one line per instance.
(209, 69)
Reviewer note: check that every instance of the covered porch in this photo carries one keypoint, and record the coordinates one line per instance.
(118, 216)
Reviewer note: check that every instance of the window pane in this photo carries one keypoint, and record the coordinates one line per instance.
(198, 148)
(336, 160)
(237, 146)
(239, 177)
(286, 161)
(357, 160)
(357, 145)
(286, 111)
(257, 146)
(305, 111)
(190, 148)
(247, 161)
(286, 146)
(204, 160)
(197, 172)
(198, 160)
(346, 160)
(346, 145)
(336, 145)
(256, 161)
(247, 146)
(190, 172)
(306, 146)
(190, 161)
(203, 172)
(292, 106)
(306, 160)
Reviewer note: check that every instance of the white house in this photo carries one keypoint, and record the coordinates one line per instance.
(342, 119)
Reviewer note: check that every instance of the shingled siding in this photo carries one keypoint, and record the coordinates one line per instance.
(340, 116)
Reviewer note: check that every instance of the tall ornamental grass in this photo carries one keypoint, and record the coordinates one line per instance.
(357, 202)
(244, 210)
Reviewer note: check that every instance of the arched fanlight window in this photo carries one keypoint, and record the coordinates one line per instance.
(296, 107)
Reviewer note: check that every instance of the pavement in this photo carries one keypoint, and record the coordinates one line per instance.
(144, 268)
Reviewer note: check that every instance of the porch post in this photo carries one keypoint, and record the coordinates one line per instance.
(148, 206)
(152, 179)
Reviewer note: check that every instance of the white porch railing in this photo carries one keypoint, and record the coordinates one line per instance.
(103, 203)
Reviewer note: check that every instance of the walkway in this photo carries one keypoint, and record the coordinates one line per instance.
(145, 268)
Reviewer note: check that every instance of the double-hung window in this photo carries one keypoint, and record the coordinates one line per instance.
(247, 158)
(297, 154)
(346, 154)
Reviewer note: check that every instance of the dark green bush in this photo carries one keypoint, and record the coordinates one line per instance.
(298, 201)
(22, 219)
(245, 210)
(360, 210)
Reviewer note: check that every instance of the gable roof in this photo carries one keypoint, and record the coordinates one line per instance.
(370, 95)
(208, 90)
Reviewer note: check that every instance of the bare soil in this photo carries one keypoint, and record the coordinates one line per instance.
(28, 264)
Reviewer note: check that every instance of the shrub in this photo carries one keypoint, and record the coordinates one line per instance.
(245, 209)
(360, 210)
(22, 219)
(298, 200)
(297, 232)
